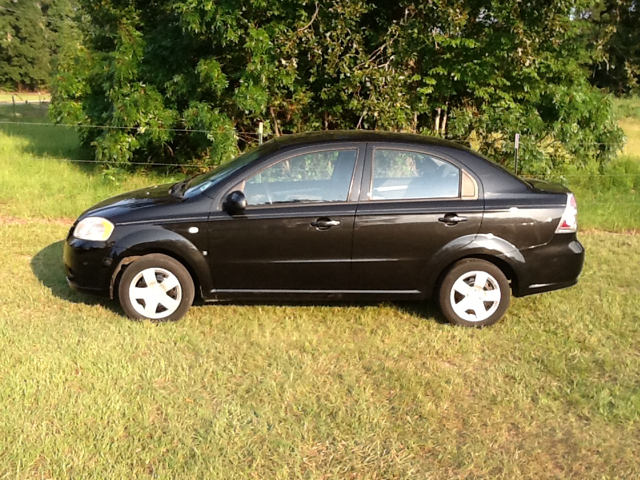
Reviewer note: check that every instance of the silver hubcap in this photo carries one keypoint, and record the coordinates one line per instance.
(155, 293)
(475, 296)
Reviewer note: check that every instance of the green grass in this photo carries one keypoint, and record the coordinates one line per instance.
(611, 201)
(314, 392)
(628, 107)
(37, 179)
(24, 97)
(317, 391)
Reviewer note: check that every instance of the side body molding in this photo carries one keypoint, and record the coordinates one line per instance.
(155, 239)
(487, 245)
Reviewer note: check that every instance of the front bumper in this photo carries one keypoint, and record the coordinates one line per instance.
(88, 266)
(553, 266)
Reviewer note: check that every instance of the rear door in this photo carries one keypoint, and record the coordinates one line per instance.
(413, 204)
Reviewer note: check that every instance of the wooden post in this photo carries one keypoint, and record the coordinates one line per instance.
(444, 123)
(260, 132)
(517, 145)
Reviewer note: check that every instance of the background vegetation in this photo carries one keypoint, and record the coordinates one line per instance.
(468, 72)
(474, 73)
(619, 69)
(34, 35)
(306, 391)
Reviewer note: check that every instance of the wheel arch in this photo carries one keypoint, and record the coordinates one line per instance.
(502, 264)
(129, 259)
(163, 242)
(495, 250)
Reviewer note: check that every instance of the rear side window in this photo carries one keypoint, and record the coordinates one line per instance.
(402, 174)
(323, 176)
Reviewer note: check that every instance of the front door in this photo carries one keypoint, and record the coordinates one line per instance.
(296, 233)
(413, 205)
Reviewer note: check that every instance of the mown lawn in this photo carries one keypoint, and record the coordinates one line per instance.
(317, 391)
(306, 391)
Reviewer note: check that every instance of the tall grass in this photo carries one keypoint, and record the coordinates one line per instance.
(38, 180)
(608, 197)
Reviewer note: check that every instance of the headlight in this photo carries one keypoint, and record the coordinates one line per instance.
(94, 229)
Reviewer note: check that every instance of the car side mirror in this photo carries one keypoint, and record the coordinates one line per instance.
(235, 203)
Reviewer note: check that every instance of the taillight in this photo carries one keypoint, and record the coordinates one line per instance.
(569, 220)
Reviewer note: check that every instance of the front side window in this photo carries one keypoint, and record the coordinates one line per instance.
(311, 177)
(401, 174)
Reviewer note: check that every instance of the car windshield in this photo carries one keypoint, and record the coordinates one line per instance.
(201, 182)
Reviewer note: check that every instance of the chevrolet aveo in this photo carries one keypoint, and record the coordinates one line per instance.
(333, 216)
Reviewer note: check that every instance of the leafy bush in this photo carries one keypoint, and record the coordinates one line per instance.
(463, 70)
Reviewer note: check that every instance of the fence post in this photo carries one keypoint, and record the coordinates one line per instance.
(260, 132)
(517, 145)
(13, 99)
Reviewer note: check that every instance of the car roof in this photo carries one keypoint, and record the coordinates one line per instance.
(377, 136)
(495, 178)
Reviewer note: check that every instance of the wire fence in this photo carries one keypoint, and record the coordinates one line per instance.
(250, 135)
(142, 129)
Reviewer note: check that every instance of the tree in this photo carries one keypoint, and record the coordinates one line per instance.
(619, 68)
(33, 35)
(466, 70)
(24, 56)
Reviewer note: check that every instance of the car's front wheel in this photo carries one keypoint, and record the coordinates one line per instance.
(156, 287)
(474, 293)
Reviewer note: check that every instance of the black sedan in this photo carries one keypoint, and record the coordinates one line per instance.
(333, 216)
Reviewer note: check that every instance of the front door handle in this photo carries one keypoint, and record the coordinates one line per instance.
(452, 219)
(325, 223)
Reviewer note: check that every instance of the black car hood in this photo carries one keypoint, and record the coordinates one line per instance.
(127, 206)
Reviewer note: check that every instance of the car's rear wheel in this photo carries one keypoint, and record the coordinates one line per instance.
(474, 293)
(156, 287)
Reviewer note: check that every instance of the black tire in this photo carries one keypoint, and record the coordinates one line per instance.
(485, 306)
(171, 302)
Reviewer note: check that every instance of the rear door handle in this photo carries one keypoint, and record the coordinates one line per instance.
(452, 219)
(325, 223)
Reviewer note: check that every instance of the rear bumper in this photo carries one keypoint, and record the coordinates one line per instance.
(553, 266)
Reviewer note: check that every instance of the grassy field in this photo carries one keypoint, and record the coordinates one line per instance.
(37, 178)
(313, 392)
(317, 391)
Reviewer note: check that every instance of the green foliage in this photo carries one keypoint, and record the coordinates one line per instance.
(619, 68)
(467, 71)
(24, 57)
(32, 35)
